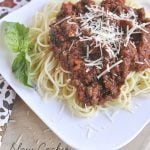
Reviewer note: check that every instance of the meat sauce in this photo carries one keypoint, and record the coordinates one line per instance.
(71, 51)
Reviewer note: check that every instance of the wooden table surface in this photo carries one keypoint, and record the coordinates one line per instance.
(26, 131)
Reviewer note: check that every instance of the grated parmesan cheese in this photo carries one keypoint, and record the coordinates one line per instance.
(114, 65)
(147, 62)
(64, 19)
(138, 62)
(106, 34)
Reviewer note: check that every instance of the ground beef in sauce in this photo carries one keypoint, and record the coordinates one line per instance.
(70, 52)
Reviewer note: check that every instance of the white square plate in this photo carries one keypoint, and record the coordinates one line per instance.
(106, 134)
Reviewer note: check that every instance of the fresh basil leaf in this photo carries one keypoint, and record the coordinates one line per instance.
(20, 68)
(16, 36)
(17, 39)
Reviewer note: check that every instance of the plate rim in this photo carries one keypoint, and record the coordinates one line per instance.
(38, 114)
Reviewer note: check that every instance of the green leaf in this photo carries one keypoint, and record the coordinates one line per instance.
(16, 36)
(17, 39)
(20, 68)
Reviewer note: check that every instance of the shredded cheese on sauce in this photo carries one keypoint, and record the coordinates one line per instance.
(106, 34)
(107, 70)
